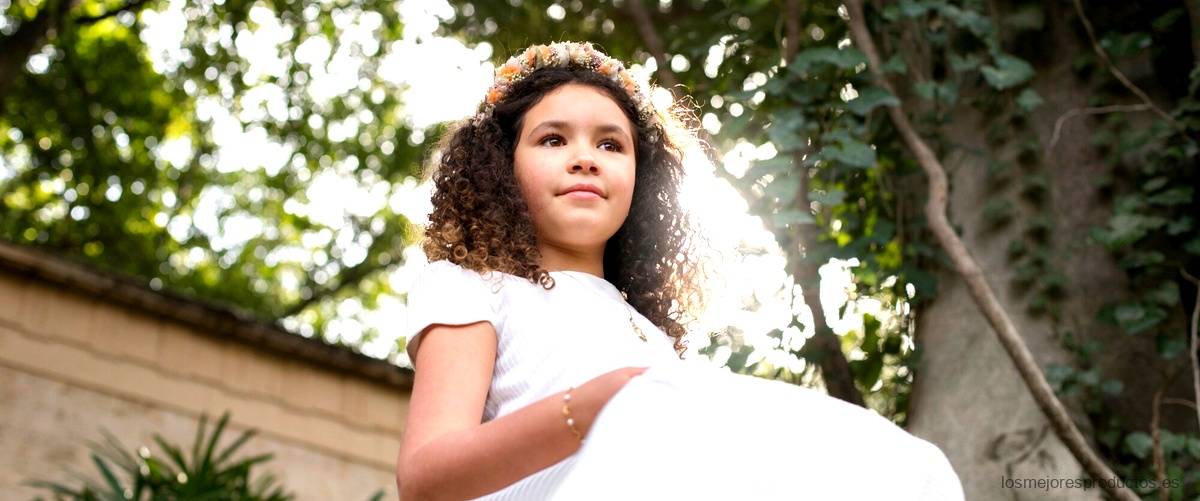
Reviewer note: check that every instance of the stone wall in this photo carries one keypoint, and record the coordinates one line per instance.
(73, 363)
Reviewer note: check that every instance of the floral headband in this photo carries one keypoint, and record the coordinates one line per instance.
(563, 55)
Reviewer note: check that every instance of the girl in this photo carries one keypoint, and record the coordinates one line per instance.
(546, 332)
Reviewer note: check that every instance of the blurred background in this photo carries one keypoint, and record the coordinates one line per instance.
(216, 205)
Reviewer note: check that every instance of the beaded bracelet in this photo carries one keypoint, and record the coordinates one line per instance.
(567, 414)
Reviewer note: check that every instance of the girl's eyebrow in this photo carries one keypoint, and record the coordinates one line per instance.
(559, 124)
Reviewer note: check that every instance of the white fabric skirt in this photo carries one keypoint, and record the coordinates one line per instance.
(689, 430)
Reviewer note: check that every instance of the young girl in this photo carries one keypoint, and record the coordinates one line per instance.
(546, 332)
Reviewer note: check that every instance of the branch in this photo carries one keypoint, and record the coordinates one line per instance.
(352, 276)
(791, 22)
(134, 5)
(653, 42)
(1160, 464)
(1112, 68)
(835, 369)
(1195, 338)
(348, 277)
(972, 275)
(1180, 401)
(1058, 124)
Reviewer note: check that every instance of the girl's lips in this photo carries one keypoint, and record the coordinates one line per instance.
(581, 195)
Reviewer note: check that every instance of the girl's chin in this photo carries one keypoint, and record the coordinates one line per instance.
(582, 232)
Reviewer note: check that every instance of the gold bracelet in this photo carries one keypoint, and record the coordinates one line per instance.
(567, 414)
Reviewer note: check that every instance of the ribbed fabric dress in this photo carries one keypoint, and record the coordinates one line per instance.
(681, 430)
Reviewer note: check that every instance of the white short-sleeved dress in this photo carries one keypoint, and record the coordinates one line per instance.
(681, 430)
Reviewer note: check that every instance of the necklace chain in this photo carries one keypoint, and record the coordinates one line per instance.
(625, 297)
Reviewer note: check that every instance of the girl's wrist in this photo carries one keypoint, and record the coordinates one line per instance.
(568, 416)
(589, 398)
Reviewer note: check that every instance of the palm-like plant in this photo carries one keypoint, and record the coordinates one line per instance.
(208, 474)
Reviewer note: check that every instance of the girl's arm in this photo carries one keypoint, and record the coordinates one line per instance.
(447, 454)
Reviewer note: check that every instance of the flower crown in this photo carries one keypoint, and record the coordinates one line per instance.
(563, 55)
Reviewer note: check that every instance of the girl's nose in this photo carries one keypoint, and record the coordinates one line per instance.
(584, 161)
(580, 165)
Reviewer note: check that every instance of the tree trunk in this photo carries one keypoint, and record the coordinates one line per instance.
(968, 398)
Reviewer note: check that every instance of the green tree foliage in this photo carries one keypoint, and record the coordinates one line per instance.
(87, 177)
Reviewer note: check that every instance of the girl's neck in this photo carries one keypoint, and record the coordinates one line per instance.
(556, 258)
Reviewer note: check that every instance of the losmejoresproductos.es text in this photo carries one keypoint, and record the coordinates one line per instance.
(1052, 483)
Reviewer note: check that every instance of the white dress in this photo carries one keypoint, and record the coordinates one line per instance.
(682, 429)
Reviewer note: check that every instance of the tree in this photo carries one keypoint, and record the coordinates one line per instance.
(110, 149)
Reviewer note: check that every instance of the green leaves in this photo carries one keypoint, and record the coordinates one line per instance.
(1007, 71)
(845, 58)
(969, 19)
(1179, 195)
(1029, 100)
(997, 211)
(1030, 16)
(841, 147)
(946, 91)
(788, 130)
(870, 98)
(867, 371)
(906, 9)
(1134, 317)
(783, 189)
(827, 198)
(1139, 444)
(1125, 228)
(895, 65)
(1122, 45)
(789, 217)
(206, 474)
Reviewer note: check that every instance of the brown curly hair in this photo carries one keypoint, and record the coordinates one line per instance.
(480, 220)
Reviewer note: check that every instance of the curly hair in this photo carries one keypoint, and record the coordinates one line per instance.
(481, 222)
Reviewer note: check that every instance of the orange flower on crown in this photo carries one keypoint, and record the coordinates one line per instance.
(607, 69)
(494, 95)
(509, 70)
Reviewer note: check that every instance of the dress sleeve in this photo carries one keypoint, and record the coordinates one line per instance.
(445, 293)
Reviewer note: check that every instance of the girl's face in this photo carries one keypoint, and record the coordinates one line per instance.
(576, 135)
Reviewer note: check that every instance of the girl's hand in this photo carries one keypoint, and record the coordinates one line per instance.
(590, 397)
(612, 381)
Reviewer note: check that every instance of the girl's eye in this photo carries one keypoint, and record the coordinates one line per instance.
(615, 145)
(555, 140)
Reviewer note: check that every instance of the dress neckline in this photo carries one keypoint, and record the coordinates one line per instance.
(596, 281)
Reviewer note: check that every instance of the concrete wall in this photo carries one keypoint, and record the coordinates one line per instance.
(71, 364)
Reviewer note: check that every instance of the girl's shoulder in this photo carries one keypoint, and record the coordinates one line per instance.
(449, 294)
(444, 273)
